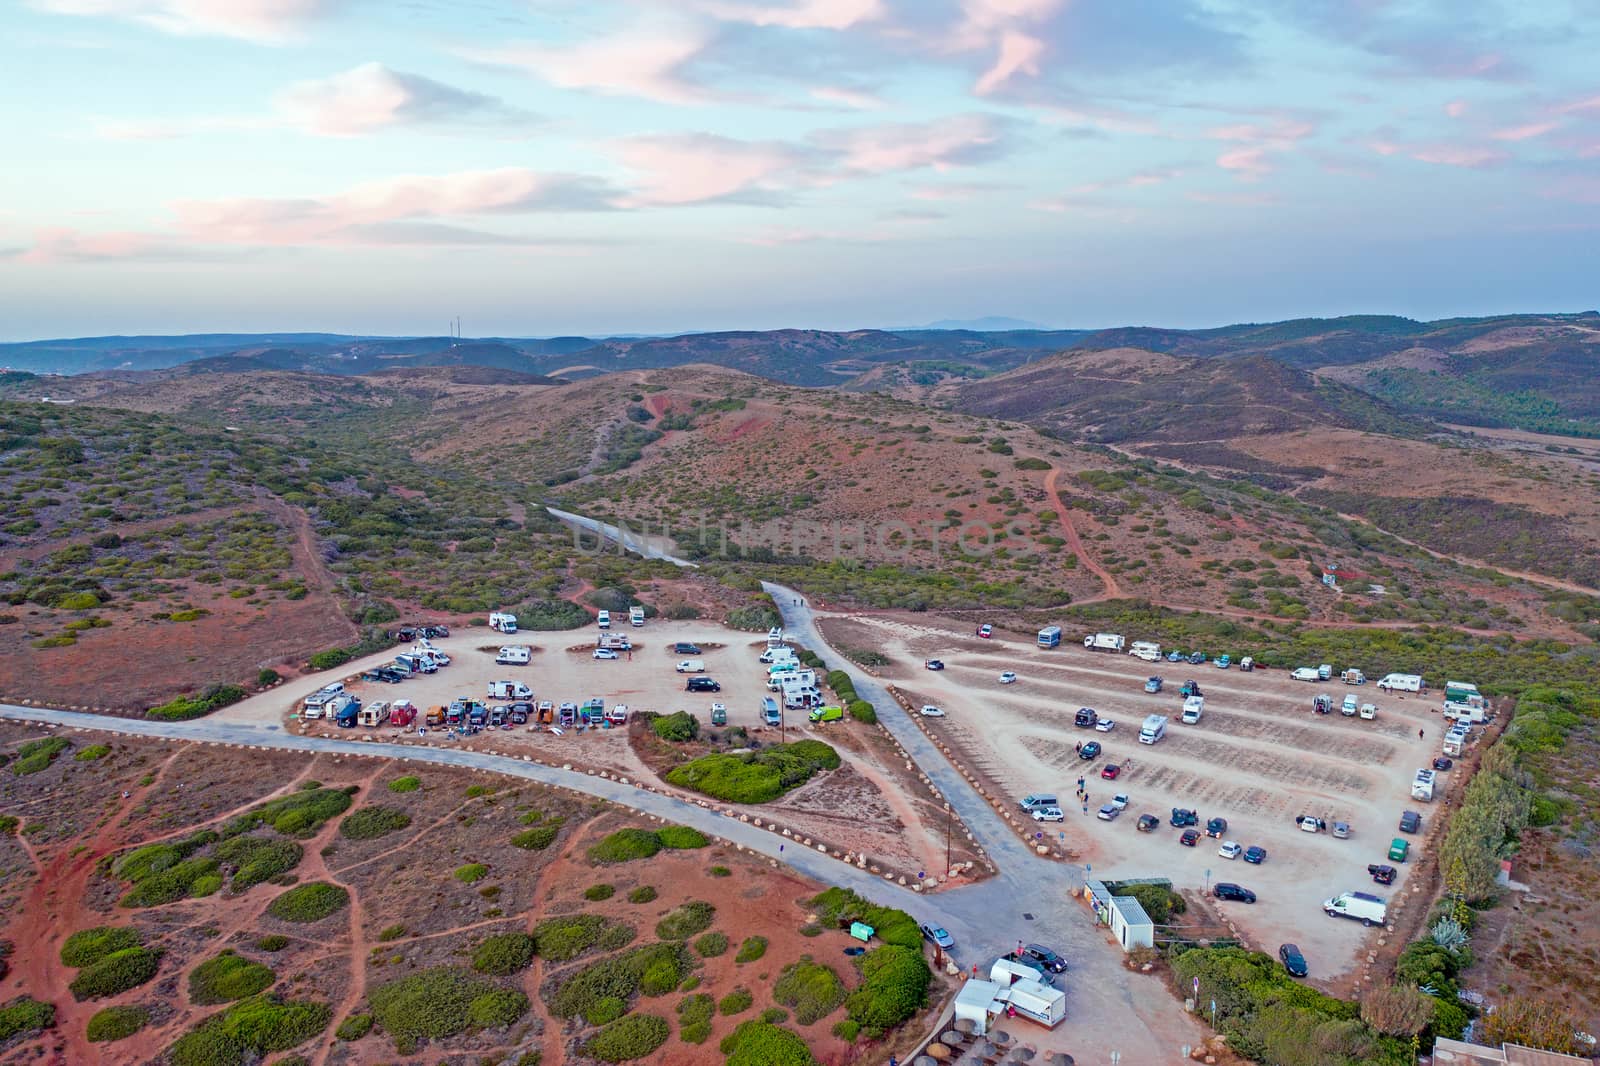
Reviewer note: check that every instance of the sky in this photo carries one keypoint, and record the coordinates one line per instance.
(544, 167)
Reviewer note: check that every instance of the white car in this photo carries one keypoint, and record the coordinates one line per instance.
(1120, 801)
(1109, 812)
(1306, 673)
(1008, 678)
(1104, 725)
(1049, 814)
(930, 711)
(1230, 849)
(604, 653)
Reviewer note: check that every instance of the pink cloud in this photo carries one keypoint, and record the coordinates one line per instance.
(1525, 132)
(1001, 27)
(1456, 108)
(853, 99)
(647, 64)
(63, 245)
(1442, 153)
(257, 20)
(799, 14)
(373, 97)
(959, 140)
(697, 168)
(1260, 144)
(1019, 54)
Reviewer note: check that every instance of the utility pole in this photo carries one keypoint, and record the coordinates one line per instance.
(947, 839)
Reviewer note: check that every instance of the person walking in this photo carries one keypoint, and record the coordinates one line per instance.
(1077, 747)
(1419, 734)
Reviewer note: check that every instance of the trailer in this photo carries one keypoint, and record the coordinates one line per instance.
(546, 712)
(509, 690)
(1455, 743)
(1103, 642)
(1193, 708)
(514, 655)
(347, 716)
(1402, 682)
(1154, 728)
(615, 641)
(775, 637)
(1037, 1002)
(1353, 677)
(373, 714)
(1422, 786)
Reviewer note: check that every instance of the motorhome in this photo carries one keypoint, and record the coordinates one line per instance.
(1103, 642)
(509, 690)
(636, 616)
(319, 699)
(603, 619)
(1325, 672)
(1154, 728)
(1353, 677)
(795, 680)
(799, 699)
(374, 714)
(1455, 742)
(503, 622)
(775, 637)
(1464, 703)
(1050, 637)
(514, 655)
(1363, 907)
(402, 713)
(1193, 708)
(347, 714)
(1006, 971)
(1422, 785)
(773, 656)
(1148, 651)
(1401, 682)
(615, 641)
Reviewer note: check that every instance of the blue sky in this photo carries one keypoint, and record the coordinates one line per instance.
(585, 166)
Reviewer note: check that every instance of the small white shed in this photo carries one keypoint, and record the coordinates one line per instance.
(1129, 923)
(979, 1001)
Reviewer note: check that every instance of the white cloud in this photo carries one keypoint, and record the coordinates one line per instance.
(650, 64)
(257, 20)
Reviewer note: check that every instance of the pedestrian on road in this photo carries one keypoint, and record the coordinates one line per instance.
(974, 971)
(1077, 746)
(1086, 805)
(1419, 734)
(1019, 949)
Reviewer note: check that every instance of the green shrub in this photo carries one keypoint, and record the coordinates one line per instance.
(8, 824)
(327, 660)
(561, 939)
(625, 845)
(299, 814)
(226, 978)
(755, 777)
(734, 1002)
(370, 823)
(711, 945)
(354, 1027)
(273, 942)
(846, 1029)
(752, 949)
(653, 970)
(391, 933)
(92, 752)
(720, 871)
(893, 988)
(503, 954)
(597, 893)
(812, 989)
(116, 973)
(310, 902)
(679, 726)
(685, 921)
(256, 860)
(405, 784)
(774, 1016)
(266, 677)
(891, 926)
(257, 1026)
(755, 618)
(441, 1002)
(116, 1023)
(37, 755)
(184, 708)
(694, 1018)
(88, 946)
(863, 712)
(25, 1015)
(1160, 902)
(471, 873)
(207, 884)
(681, 837)
(628, 1038)
(756, 1043)
(496, 1008)
(642, 894)
(604, 1010)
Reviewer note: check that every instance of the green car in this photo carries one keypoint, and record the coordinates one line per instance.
(827, 714)
(1399, 849)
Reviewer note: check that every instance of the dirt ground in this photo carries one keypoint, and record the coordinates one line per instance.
(874, 805)
(406, 911)
(1259, 757)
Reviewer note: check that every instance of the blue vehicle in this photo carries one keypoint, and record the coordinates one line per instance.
(1174, 656)
(1224, 661)
(1196, 658)
(1153, 685)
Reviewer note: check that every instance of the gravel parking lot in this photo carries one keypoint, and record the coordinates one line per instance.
(1259, 757)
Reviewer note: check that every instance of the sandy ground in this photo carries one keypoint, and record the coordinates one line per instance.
(873, 805)
(1258, 758)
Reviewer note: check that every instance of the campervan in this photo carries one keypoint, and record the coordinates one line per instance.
(1148, 651)
(503, 622)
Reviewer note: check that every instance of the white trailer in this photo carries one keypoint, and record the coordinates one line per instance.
(1103, 642)
(1422, 786)
(1037, 1002)
(1455, 743)
(775, 637)
(1147, 650)
(373, 714)
(1402, 682)
(1154, 728)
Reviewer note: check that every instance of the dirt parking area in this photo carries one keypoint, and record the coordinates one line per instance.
(1258, 758)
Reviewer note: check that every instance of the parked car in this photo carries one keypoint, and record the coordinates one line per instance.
(1230, 849)
(1215, 827)
(1224, 661)
(702, 684)
(1120, 801)
(1196, 658)
(1255, 854)
(1190, 688)
(1148, 823)
(1229, 890)
(1382, 873)
(1443, 762)
(1410, 822)
(1189, 838)
(683, 647)
(1090, 750)
(1182, 816)
(1154, 684)
(1174, 656)
(1008, 678)
(1341, 830)
(1044, 957)
(934, 664)
(1309, 824)
(1104, 725)
(1049, 814)
(930, 711)
(719, 714)
(1292, 960)
(986, 631)
(938, 935)
(386, 676)
(604, 653)
(1111, 771)
(1109, 812)
(1085, 717)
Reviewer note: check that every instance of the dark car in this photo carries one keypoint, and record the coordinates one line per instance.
(1293, 961)
(1182, 816)
(1090, 750)
(497, 717)
(1148, 823)
(1046, 958)
(702, 684)
(1382, 873)
(1443, 762)
(1410, 822)
(1189, 838)
(685, 648)
(392, 675)
(1190, 688)
(1111, 771)
(1216, 827)
(1255, 854)
(381, 675)
(1229, 890)
(429, 632)
(1085, 718)
(1196, 658)
(934, 664)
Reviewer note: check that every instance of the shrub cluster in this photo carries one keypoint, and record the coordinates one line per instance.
(354, 1027)
(812, 989)
(116, 1023)
(88, 946)
(628, 1038)
(310, 902)
(116, 973)
(299, 814)
(408, 783)
(503, 954)
(184, 708)
(255, 860)
(711, 945)
(680, 727)
(894, 986)
(442, 1002)
(37, 755)
(627, 844)
(539, 837)
(370, 823)
(642, 894)
(863, 712)
(25, 1015)
(752, 949)
(891, 926)
(694, 1018)
(561, 939)
(683, 922)
(758, 776)
(254, 1027)
(226, 978)
(757, 1043)
(651, 970)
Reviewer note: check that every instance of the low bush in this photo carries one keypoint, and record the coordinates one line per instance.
(681, 838)
(310, 902)
(680, 727)
(471, 873)
(370, 823)
(116, 1023)
(685, 921)
(256, 860)
(755, 618)
(894, 986)
(354, 1027)
(755, 777)
(88, 946)
(863, 712)
(37, 755)
(226, 978)
(441, 1002)
(25, 1015)
(651, 970)
(391, 933)
(597, 893)
(757, 1043)
(812, 989)
(497, 1008)
(604, 1010)
(92, 753)
(642, 894)
(846, 1029)
(538, 838)
(561, 939)
(116, 973)
(254, 1027)
(694, 1018)
(273, 942)
(183, 708)
(503, 954)
(299, 814)
(752, 949)
(408, 783)
(711, 945)
(628, 1038)
(891, 926)
(1160, 902)
(625, 845)
(735, 1002)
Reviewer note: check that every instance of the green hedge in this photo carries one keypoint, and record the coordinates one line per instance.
(37, 755)
(894, 987)
(628, 1038)
(758, 776)
(812, 989)
(651, 970)
(183, 708)
(890, 926)
(254, 1027)
(256, 860)
(862, 711)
